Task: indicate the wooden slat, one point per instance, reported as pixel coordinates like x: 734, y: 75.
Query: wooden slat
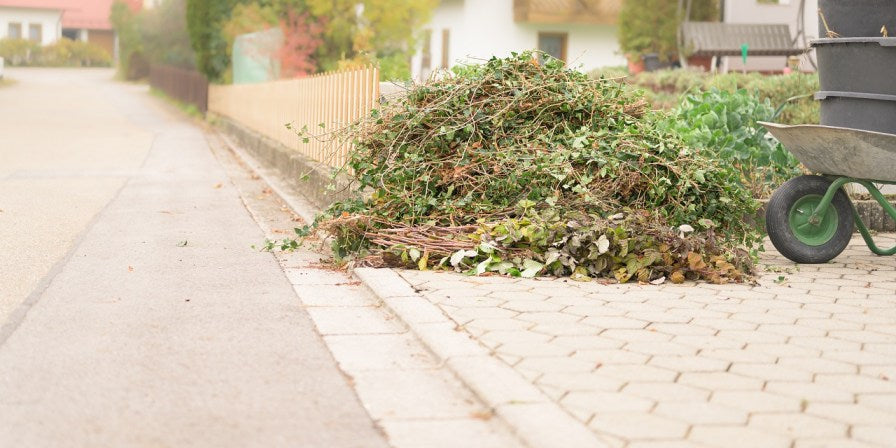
x: 335, y: 99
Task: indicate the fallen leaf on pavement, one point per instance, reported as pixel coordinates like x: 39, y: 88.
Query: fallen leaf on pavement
x: 482, y: 415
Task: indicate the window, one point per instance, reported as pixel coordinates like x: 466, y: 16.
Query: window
x: 14, y: 31
x: 553, y: 44
x: 35, y: 32
x: 446, y: 45
x: 426, y: 53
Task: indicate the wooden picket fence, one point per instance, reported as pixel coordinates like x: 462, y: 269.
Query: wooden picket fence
x: 187, y: 86
x: 332, y: 99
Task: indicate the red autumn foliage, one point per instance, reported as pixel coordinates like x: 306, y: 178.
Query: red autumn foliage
x: 301, y: 38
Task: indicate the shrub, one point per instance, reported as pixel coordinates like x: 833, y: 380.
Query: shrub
x: 69, y: 53
x: 778, y: 89
x: 665, y: 89
x: 726, y: 125
x: 62, y: 53
x: 19, y: 51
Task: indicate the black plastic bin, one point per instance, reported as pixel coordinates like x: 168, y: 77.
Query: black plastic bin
x: 857, y: 18
x: 857, y: 64
x: 866, y: 111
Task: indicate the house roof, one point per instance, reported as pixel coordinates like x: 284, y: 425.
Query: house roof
x: 89, y: 14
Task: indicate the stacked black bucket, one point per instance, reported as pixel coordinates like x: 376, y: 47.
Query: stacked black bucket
x: 857, y: 64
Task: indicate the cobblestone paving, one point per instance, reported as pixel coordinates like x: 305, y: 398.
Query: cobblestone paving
x: 805, y: 359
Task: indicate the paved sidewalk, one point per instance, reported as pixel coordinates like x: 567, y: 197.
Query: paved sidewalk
x: 164, y: 328
x: 408, y: 392
x: 805, y: 359
x: 57, y: 171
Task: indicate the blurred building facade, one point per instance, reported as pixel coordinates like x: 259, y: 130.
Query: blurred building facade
x: 45, y: 21
x: 580, y: 32
x: 772, y: 12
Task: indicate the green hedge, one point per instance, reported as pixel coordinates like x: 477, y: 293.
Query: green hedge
x: 62, y: 53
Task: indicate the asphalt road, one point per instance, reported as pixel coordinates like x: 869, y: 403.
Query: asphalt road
x: 134, y: 311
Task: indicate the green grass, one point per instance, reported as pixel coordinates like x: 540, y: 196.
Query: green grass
x: 188, y: 109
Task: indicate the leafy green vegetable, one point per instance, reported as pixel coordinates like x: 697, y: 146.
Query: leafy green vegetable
x: 726, y: 124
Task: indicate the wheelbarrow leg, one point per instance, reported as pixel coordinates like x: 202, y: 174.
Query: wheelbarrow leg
x: 822, y: 208
x: 888, y: 208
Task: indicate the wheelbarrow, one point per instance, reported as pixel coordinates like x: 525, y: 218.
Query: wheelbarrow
x: 810, y: 219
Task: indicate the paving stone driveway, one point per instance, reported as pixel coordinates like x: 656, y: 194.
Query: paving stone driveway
x: 805, y: 359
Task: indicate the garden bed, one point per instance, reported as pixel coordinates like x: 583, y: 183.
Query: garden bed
x: 665, y: 89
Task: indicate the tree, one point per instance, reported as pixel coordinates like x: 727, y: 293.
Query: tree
x: 366, y: 31
x: 340, y: 20
x: 324, y: 34
x: 124, y: 20
x: 301, y: 33
x: 300, y: 43
x: 204, y: 22
x: 651, y: 26
x: 163, y: 30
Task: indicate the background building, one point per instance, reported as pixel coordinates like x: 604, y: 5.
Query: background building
x: 36, y: 21
x: 581, y: 32
x: 48, y: 20
x: 771, y: 12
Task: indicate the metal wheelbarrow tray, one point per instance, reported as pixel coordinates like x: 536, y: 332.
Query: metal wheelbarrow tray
x: 810, y: 219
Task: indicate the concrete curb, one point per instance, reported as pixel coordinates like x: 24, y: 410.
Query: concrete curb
x: 534, y: 418
x: 307, y: 176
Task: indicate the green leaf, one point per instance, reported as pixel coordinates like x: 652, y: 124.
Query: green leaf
x: 531, y: 268
x: 603, y: 244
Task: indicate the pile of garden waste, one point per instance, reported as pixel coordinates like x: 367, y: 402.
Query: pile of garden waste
x: 522, y: 167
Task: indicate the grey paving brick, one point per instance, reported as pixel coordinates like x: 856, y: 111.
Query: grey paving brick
x: 706, y: 365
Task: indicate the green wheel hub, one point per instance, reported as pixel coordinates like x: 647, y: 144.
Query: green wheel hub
x: 807, y: 232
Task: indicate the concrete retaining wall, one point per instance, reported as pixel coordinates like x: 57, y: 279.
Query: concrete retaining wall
x: 307, y: 177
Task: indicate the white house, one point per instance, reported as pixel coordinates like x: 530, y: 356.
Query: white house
x: 48, y: 20
x: 581, y: 32
x: 40, y: 24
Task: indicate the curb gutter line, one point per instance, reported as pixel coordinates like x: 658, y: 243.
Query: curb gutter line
x: 533, y: 417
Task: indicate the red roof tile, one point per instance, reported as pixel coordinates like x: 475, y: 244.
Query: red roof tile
x: 90, y: 14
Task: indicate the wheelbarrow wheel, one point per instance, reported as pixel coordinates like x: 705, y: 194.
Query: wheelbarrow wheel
x: 789, y: 227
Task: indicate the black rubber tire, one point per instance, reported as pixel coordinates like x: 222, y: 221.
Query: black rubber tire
x: 777, y: 221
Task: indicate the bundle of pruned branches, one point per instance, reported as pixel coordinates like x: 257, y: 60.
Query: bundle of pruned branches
x: 524, y: 137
